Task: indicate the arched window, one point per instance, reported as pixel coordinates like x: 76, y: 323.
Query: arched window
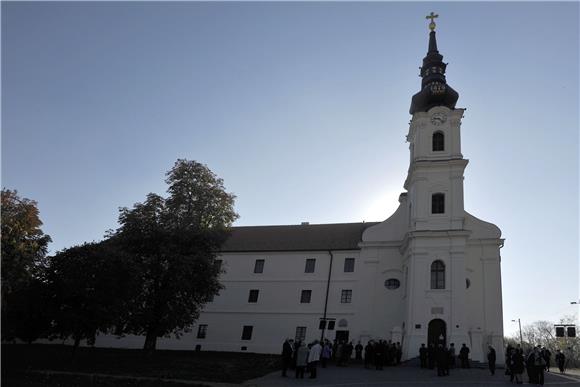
x: 438, y: 203
x: 437, y: 275
x: 438, y: 141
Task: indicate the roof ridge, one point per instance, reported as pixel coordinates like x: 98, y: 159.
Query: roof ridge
x: 309, y: 224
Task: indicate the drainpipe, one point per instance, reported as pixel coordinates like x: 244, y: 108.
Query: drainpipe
x: 326, y: 298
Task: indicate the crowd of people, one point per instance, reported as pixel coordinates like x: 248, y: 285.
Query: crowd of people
x: 444, y: 357
x: 535, y: 362
x: 303, y: 358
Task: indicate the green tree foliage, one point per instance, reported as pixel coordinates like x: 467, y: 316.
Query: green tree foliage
x: 172, y: 244
x: 24, y: 248
x: 89, y: 285
x: 24, y: 245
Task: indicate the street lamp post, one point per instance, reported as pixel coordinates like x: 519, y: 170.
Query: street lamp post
x: 521, y: 338
x: 576, y: 303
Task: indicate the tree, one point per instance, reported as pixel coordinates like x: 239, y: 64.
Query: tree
x: 172, y: 244
x: 89, y: 285
x: 24, y: 247
x: 543, y: 333
x: 31, y: 312
x: 540, y: 333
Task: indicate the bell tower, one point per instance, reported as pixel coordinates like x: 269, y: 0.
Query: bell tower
x: 434, y: 250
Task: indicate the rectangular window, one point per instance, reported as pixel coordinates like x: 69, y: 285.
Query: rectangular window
x: 310, y: 265
x: 346, y: 296
x: 253, y: 297
x: 349, y: 265
x: 202, y: 331
x: 259, y: 266
x: 300, y: 334
x: 218, y: 265
x: 305, y: 296
x: 438, y: 203
x: 247, y: 332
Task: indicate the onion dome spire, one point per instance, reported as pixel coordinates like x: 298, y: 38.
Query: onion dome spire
x: 434, y: 88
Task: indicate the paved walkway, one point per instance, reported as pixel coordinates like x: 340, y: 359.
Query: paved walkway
x: 356, y: 376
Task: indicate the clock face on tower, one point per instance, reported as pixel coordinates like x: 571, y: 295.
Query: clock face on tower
x: 438, y: 119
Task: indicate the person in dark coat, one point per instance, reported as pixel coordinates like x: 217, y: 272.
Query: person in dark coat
x: 450, y: 358
x: 347, y: 352
x: 547, y: 357
x: 517, y: 365
x: 431, y: 356
x: 560, y: 360
x: 398, y: 352
x: 379, y: 355
x: 509, y: 361
x: 452, y: 354
x: 369, y: 354
x: 491, y: 357
x: 441, y: 357
x: 340, y: 348
x: 358, y: 349
x: 423, y: 356
x: 531, y: 369
x: 464, y: 356
x: 286, y: 356
x: 539, y: 365
x: 388, y: 353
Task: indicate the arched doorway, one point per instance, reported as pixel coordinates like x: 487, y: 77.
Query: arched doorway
x: 437, y: 332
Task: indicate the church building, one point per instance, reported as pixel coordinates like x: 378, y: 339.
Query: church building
x: 430, y: 273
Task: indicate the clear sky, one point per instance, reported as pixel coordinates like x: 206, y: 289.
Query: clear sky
x: 302, y: 109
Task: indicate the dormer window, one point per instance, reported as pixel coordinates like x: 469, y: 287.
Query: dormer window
x: 438, y: 142
x: 438, y: 203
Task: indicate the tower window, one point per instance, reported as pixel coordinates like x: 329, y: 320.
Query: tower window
x: 438, y: 141
x: 438, y: 203
x: 437, y: 275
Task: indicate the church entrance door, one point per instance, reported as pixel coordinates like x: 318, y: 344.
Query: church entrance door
x: 437, y: 333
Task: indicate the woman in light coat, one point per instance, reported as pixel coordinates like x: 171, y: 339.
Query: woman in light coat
x: 301, y: 360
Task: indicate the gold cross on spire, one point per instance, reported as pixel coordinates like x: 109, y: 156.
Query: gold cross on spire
x: 432, y: 16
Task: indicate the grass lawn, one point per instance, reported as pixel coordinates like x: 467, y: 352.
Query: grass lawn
x: 228, y: 367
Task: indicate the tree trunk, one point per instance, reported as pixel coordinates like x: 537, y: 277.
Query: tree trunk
x: 150, y: 341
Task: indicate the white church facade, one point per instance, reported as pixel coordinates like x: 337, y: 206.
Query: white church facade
x: 429, y: 273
